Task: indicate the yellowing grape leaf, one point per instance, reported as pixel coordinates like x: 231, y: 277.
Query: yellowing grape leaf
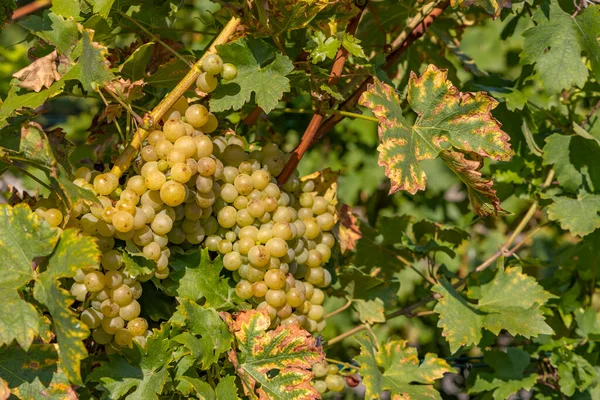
x: 447, y: 119
x: 348, y: 231
x: 64, y: 263
x: 273, y: 364
x: 395, y: 367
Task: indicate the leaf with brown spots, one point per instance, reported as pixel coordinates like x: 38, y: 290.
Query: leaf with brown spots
x: 128, y: 91
x: 348, y: 232
x: 41, y: 73
x: 510, y: 301
x: 273, y: 364
x: 446, y: 119
x: 484, y: 201
x: 395, y: 367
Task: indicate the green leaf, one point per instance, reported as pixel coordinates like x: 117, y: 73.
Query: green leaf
x: 23, y: 237
x: 145, y: 370
x: 66, y: 8
x: 508, y: 377
x: 352, y: 45
x: 484, y: 201
x: 574, y: 159
x: 493, y: 7
x: 20, y: 320
x: 168, y: 75
x: 510, y: 301
x: 34, y: 374
x: 555, y: 45
x: 214, y: 338
x: 226, y: 389
x: 574, y: 371
x: 446, y: 119
x: 54, y: 29
x: 92, y: 68
x: 395, y: 367
x: 135, y: 265
x: 103, y: 7
x: 261, y: 70
x: 579, y: 216
x: 134, y: 67
x: 288, y: 352
x: 195, y: 277
x: 64, y: 263
x: 321, y: 48
x: 19, y: 98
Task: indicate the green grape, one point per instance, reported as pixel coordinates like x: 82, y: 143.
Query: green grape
x: 173, y: 193
x: 206, y: 82
x: 259, y: 256
x: 256, y: 208
x: 227, y: 217
x: 206, y: 166
x: 173, y: 130
x: 83, y: 173
x: 204, y: 146
x: 320, y: 205
x: 244, y: 289
x: 112, y: 325
x: 233, y: 155
x: 275, y: 279
x: 162, y: 148
x: 130, y: 311
x: 79, y: 276
x: 211, y: 125
x: 282, y: 230
x: 264, y: 234
x: 228, y: 193
x: 104, y: 185
x: 122, y: 221
x: 92, y: 318
x: 284, y: 312
x: 152, y: 251
x: 315, y: 276
x: 335, y: 383
x: 79, y: 291
x: 316, y: 312
x: 122, y: 295
x: 244, y: 218
x: 326, y: 221
x: 101, y: 337
x: 127, y: 206
x: 260, y: 179
x: 259, y: 289
x: 196, y: 115
x: 155, y: 136
x: 212, y: 64
x: 232, y: 261
x: 54, y: 217
x: 94, y: 281
x: 155, y: 180
x: 187, y: 145
x: 316, y: 297
x: 109, y: 308
x: 333, y: 369
x: 294, y: 297
x: 113, y: 279
x: 175, y: 156
x: 123, y: 337
x: 270, y: 203
x: 320, y: 369
x: 224, y: 246
x: 231, y: 236
x: 229, y: 72
x: 244, y: 184
x: 244, y: 245
x: 148, y: 153
x: 162, y: 223
x: 137, y: 326
x: 112, y: 260
x: 275, y: 298
x: 315, y: 259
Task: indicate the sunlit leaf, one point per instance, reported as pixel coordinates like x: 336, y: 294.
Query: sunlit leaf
x: 273, y: 364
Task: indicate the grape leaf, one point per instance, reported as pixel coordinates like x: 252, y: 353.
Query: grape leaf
x: 134, y: 67
x: 17, y: 100
x: 52, y: 28
x: 395, y: 367
x: 510, y: 301
x: 261, y: 70
x: 20, y: 320
x: 446, y: 119
x: 214, y: 339
x: 195, y: 276
x: 92, y: 68
x: 579, y: 216
x: 574, y: 371
x: 484, y: 201
x: 347, y: 232
x: 352, y: 45
x: 136, y: 265
x: 168, y: 75
x: 555, y: 45
x: 493, y: 7
x: 275, y: 363
x: 40, y: 73
x: 508, y: 377
x: 64, y: 263
x: 321, y: 48
x: 66, y: 8
x: 35, y: 374
x: 146, y: 370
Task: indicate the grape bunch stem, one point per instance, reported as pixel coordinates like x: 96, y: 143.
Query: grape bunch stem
x: 150, y: 120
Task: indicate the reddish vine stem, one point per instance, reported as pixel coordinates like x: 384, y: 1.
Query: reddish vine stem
x: 30, y: 8
x: 315, y: 122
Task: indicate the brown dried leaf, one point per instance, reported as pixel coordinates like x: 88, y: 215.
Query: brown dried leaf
x: 111, y: 112
x: 483, y: 198
x: 128, y: 91
x: 348, y: 230
x: 41, y: 73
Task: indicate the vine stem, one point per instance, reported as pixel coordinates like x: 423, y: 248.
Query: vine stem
x: 345, y: 364
x: 344, y: 113
x: 151, y: 120
x: 339, y: 310
x: 502, y: 251
x: 315, y: 122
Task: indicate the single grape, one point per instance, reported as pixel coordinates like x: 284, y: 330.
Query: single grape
x: 229, y: 71
x: 123, y: 337
x: 211, y: 125
x: 173, y: 130
x: 112, y: 325
x: 173, y: 193
x: 335, y: 383
x: 206, y: 82
x: 130, y: 311
x: 79, y: 290
x: 244, y: 290
x: 196, y: 115
x: 275, y: 279
x: 212, y: 64
x: 275, y: 298
x: 92, y: 318
x: 137, y: 326
x: 101, y: 337
x: 94, y: 281
x: 53, y: 216
x: 122, y: 295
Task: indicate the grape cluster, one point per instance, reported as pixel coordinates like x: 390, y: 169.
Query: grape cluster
x: 189, y: 188
x: 327, y: 378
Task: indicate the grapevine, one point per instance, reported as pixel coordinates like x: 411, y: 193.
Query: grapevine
x: 299, y: 200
